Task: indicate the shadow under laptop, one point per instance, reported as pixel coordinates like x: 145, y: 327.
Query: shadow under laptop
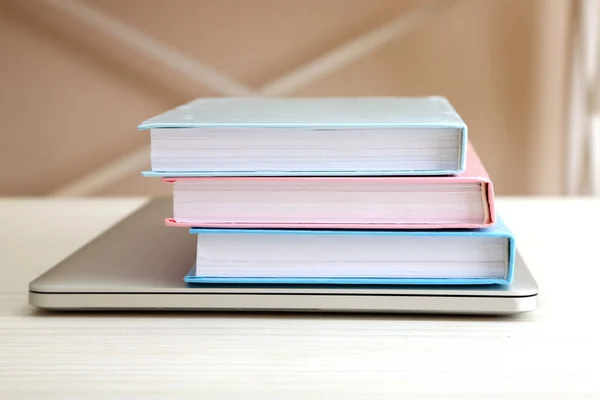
x: 304, y: 315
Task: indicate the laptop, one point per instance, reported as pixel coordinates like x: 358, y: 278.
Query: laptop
x: 139, y: 264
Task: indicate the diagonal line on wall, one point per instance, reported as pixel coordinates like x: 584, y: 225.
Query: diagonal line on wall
x: 151, y: 48
x: 354, y: 50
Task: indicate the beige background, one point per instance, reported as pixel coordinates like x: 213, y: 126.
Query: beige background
x: 72, y: 96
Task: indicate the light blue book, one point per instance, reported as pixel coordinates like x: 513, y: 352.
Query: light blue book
x: 308, y: 137
x: 419, y: 257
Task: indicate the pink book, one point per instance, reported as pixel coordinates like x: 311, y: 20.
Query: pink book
x: 430, y: 202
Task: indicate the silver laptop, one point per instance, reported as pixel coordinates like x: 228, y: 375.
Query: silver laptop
x: 139, y: 264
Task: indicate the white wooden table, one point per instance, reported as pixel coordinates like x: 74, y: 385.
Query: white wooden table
x: 552, y: 352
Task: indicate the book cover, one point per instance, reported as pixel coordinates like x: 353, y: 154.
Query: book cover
x: 499, y: 230
x: 474, y: 173
x: 256, y: 115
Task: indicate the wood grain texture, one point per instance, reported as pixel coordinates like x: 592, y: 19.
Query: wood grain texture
x: 549, y: 353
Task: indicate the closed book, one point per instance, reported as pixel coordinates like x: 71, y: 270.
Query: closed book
x: 462, y: 201
x: 445, y: 257
x: 308, y: 137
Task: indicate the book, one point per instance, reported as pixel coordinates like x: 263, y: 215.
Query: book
x: 308, y: 136
x: 465, y: 200
x: 274, y: 256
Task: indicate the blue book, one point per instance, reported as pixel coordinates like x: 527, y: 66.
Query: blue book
x: 308, y: 137
x: 422, y: 257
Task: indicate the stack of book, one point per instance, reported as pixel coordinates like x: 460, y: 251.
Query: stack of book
x: 378, y: 190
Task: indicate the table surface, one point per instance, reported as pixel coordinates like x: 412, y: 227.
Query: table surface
x: 553, y: 350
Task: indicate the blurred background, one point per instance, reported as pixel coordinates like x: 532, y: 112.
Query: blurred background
x: 77, y: 76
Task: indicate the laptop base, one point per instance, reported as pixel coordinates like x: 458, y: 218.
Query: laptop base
x: 139, y: 264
